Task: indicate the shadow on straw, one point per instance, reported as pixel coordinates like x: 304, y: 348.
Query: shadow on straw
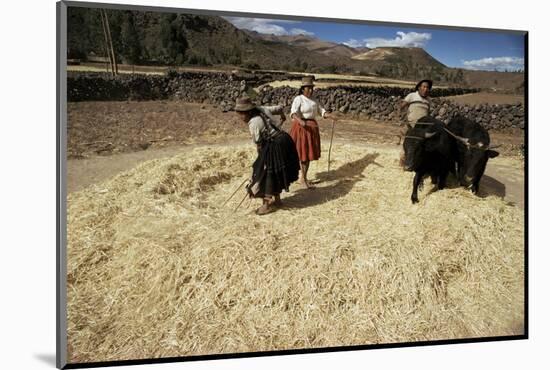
x: 490, y: 186
x: 349, y: 174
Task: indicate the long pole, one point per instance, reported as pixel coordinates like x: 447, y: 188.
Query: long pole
x: 107, y: 52
x: 111, y: 42
x: 330, y: 146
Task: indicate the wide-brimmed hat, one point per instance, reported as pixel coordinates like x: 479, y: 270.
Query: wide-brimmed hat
x: 429, y: 82
x: 244, y: 104
x: 307, y: 81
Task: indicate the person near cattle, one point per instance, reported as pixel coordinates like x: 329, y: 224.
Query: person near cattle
x: 277, y: 165
x: 418, y: 102
x: 305, y: 130
x: 418, y: 105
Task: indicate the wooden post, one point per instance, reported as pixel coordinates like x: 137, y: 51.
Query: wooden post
x: 110, y: 42
x: 107, y: 52
x: 330, y: 146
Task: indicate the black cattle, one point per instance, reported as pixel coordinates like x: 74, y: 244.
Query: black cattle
x: 429, y: 150
x: 473, y: 150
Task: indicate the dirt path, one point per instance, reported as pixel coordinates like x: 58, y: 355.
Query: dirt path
x: 82, y: 173
x: 504, y: 181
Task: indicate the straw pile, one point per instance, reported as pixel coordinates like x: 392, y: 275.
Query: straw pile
x: 157, y: 268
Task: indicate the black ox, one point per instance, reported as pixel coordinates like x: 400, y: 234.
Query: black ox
x: 429, y: 150
x: 472, y: 151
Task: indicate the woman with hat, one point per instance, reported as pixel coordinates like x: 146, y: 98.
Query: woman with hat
x: 276, y: 166
x: 305, y: 130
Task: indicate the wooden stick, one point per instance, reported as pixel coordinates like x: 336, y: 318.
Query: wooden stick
x: 115, y: 65
x: 104, y: 26
x: 330, y: 146
x: 241, y: 202
x: 167, y: 138
x: 98, y: 142
x: 235, y: 192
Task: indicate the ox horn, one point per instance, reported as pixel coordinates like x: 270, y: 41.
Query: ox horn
x: 428, y: 135
x: 460, y: 138
x: 464, y: 140
x: 492, y: 146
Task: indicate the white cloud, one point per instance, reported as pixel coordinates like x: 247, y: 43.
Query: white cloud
x: 299, y: 31
x: 498, y: 63
x: 266, y: 26
x: 353, y: 43
x: 409, y: 39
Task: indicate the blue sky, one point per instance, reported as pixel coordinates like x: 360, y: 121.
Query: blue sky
x: 461, y: 49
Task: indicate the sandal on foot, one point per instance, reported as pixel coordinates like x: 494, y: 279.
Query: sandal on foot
x: 265, y: 209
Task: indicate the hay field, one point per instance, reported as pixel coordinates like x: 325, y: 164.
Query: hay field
x: 487, y: 98
x: 346, y: 80
x: 157, y: 268
x: 373, y: 79
x: 325, y: 84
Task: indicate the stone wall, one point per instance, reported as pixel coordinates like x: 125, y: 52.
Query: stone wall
x: 221, y: 89
x: 382, y: 104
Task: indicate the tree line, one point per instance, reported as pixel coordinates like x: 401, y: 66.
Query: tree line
x: 138, y: 37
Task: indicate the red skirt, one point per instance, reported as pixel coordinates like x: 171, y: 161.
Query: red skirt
x: 307, y: 140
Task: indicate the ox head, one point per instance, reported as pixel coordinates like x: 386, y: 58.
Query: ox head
x: 414, y: 146
x: 476, y: 157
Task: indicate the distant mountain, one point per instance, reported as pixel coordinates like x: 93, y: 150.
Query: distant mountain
x: 404, y: 63
x: 312, y: 44
x: 397, y: 55
x: 219, y: 42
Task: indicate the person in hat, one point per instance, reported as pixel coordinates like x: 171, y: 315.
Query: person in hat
x: 277, y: 165
x: 418, y: 102
x: 305, y: 130
x: 418, y: 106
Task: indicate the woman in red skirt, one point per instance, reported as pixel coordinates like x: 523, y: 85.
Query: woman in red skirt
x: 304, y: 130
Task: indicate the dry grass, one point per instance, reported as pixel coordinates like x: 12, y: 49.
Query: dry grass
x: 374, y: 79
x: 486, y: 98
x: 347, y: 80
x: 103, y: 68
x: 136, y: 69
x: 157, y: 268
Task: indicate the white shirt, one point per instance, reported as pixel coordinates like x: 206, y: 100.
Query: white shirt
x: 306, y: 108
x: 256, y: 124
x: 418, y: 107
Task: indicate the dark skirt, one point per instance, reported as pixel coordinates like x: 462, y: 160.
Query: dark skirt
x: 307, y: 139
x: 275, y: 168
